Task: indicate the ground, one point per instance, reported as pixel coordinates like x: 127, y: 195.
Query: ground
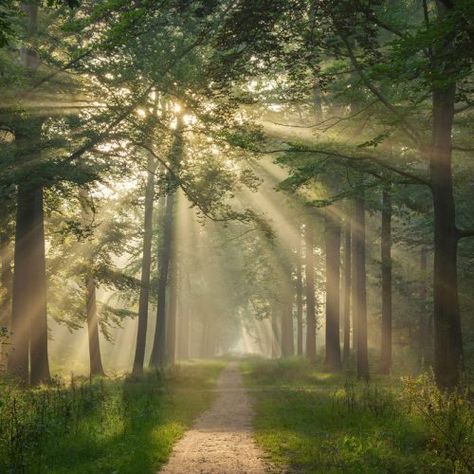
x: 221, y: 440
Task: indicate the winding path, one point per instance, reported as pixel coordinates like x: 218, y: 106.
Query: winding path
x: 221, y: 441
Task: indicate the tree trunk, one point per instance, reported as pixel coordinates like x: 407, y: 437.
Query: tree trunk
x: 333, y: 257
x: 172, y: 312
x: 347, y: 290
x: 386, y: 249
x: 359, y: 286
x: 39, y: 365
x: 146, y: 266
x: 426, y: 319
x: 158, y: 354
x: 29, y: 320
x: 317, y: 102
x: 310, y: 293
x: 6, y: 288
x: 448, y: 363
x: 299, y: 303
x: 95, y: 359
x: 448, y: 351
x: 184, y: 320
x: 287, y: 330
x: 276, y: 331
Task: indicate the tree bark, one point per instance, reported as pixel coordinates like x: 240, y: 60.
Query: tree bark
x: 448, y: 350
x: 333, y: 257
x: 448, y: 363
x: 95, y: 359
x: 299, y: 302
x: 347, y: 290
x: 29, y: 341
x: 39, y: 365
x: 184, y: 322
x: 310, y: 293
x: 276, y: 330
x: 143, y: 302
x: 5, y: 305
x: 159, y: 351
x: 386, y: 254
x: 426, y: 318
x: 172, y: 313
x: 353, y: 288
x: 359, y: 286
x: 287, y: 330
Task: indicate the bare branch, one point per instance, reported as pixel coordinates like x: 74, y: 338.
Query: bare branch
x: 337, y: 118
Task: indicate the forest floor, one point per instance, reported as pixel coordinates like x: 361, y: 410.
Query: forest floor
x: 123, y: 425
x: 317, y: 422
x: 221, y: 440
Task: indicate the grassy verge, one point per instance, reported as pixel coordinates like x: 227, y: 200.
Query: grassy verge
x: 318, y: 422
x: 126, y: 425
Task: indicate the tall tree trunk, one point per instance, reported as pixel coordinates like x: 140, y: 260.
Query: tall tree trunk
x: 172, y: 313
x: 448, y: 362
x: 354, y: 295
x: 92, y: 320
x: 6, y: 296
x: 317, y: 102
x: 386, y: 254
x: 276, y: 331
x: 310, y: 293
x: 287, y: 330
x: 160, y: 346
x: 333, y: 258
x: 426, y: 318
x: 158, y: 354
x: 359, y: 286
x: 448, y: 351
x: 143, y: 302
x: 95, y: 359
x: 184, y: 320
x: 18, y: 359
x: 29, y: 320
x: 347, y: 290
x: 39, y: 365
x: 299, y: 302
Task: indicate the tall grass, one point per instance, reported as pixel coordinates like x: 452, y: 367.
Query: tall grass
x: 101, y: 425
x: 314, y: 421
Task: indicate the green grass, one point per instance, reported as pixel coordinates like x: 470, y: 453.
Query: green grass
x: 126, y: 425
x: 317, y: 422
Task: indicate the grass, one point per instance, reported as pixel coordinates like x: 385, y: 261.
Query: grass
x: 318, y: 422
x: 123, y: 425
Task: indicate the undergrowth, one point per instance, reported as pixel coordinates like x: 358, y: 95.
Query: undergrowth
x: 314, y: 421
x: 125, y: 425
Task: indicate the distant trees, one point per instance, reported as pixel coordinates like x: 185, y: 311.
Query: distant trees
x: 356, y: 101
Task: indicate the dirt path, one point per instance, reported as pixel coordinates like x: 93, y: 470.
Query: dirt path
x: 220, y: 441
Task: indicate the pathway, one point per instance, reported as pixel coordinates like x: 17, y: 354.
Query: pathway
x: 221, y: 440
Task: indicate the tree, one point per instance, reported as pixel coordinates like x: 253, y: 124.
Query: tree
x: 347, y: 289
x: 333, y: 244
x: 359, y: 295
x: 310, y: 291
x: 386, y: 244
x: 146, y: 267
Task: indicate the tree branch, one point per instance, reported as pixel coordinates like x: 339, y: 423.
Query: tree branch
x: 463, y: 233
x: 334, y: 117
x: 407, y: 128
x: 373, y: 159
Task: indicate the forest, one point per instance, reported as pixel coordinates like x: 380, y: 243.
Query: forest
x: 236, y: 236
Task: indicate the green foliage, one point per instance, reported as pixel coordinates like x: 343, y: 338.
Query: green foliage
x: 318, y: 422
x: 127, y: 424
